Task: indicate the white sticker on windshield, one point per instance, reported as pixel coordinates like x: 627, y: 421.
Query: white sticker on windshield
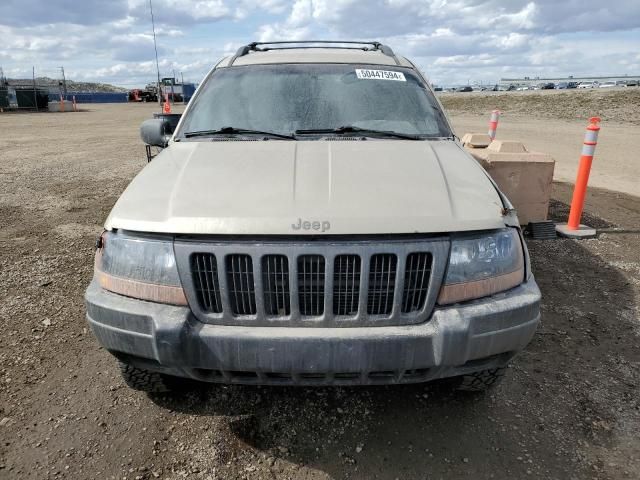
x: 379, y: 75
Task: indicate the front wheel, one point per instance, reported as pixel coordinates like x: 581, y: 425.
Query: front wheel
x: 480, y: 381
x: 151, y: 382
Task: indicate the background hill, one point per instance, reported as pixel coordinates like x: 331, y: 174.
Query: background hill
x: 72, y: 86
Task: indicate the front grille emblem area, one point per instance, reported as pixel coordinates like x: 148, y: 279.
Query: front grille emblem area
x: 320, y: 226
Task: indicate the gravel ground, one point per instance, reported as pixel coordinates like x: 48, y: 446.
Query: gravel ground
x: 568, y: 409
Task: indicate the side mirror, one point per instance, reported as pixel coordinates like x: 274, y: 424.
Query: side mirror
x: 153, y: 132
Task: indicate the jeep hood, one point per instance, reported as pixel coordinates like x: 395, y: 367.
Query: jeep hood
x: 339, y: 186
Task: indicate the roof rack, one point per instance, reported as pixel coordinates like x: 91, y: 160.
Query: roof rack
x: 260, y: 47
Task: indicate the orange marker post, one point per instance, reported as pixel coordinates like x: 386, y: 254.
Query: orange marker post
x: 580, y: 189
x: 167, y: 105
x: 493, y: 124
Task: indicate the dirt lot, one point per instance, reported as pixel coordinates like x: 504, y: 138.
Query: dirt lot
x: 569, y: 408
x: 618, y: 105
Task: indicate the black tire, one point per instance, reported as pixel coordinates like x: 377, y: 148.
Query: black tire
x: 147, y: 381
x: 480, y: 381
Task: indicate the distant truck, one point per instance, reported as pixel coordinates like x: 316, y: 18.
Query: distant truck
x: 169, y: 88
x: 149, y: 94
x: 176, y: 92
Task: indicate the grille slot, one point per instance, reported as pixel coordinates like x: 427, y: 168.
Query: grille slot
x: 416, y: 281
x: 275, y: 282
x: 382, y: 281
x: 346, y: 284
x: 242, y: 295
x: 311, y: 285
x: 204, y: 270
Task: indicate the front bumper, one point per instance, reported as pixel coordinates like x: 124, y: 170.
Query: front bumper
x: 458, y: 339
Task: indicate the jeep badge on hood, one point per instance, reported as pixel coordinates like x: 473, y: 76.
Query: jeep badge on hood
x: 315, y: 225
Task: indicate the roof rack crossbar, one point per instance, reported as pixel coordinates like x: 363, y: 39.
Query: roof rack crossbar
x: 366, y: 49
x: 253, y: 46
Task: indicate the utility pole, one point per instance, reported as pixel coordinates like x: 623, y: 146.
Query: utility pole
x: 64, y: 82
x: 35, y: 92
x: 155, y: 46
x: 183, y: 94
x: 173, y: 82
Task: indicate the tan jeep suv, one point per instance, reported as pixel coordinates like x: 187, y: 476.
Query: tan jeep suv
x: 312, y: 220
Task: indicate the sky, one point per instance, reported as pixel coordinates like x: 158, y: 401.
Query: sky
x: 454, y: 42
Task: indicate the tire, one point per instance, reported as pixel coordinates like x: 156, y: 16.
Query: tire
x: 147, y: 381
x: 480, y: 381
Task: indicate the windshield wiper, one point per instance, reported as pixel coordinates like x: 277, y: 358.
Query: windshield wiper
x: 236, y: 131
x: 354, y: 129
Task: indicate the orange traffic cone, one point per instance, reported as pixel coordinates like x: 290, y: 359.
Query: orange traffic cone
x: 167, y: 106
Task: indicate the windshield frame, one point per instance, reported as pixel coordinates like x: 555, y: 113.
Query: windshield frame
x: 179, y: 134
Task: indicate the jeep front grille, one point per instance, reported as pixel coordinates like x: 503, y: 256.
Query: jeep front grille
x: 326, y: 284
x: 382, y: 282
x: 275, y: 281
x: 311, y: 285
x: 416, y: 281
x: 242, y: 295
x: 204, y: 269
x: 346, y: 285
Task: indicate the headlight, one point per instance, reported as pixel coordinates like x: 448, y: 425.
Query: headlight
x: 142, y: 267
x: 483, y: 265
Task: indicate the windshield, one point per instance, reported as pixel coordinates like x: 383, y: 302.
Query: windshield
x: 287, y: 98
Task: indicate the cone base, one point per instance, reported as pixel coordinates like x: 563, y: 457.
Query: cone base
x: 583, y: 231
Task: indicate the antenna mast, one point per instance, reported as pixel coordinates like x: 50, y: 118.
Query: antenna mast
x: 155, y: 46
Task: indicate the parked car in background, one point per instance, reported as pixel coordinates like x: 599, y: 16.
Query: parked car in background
x: 632, y: 83
x: 621, y: 83
x: 586, y: 85
x: 465, y: 89
x: 572, y: 85
x: 548, y: 86
x: 562, y: 85
x: 607, y: 85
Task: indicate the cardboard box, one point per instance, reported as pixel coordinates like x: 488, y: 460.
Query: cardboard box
x: 524, y: 177
x: 476, y: 140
